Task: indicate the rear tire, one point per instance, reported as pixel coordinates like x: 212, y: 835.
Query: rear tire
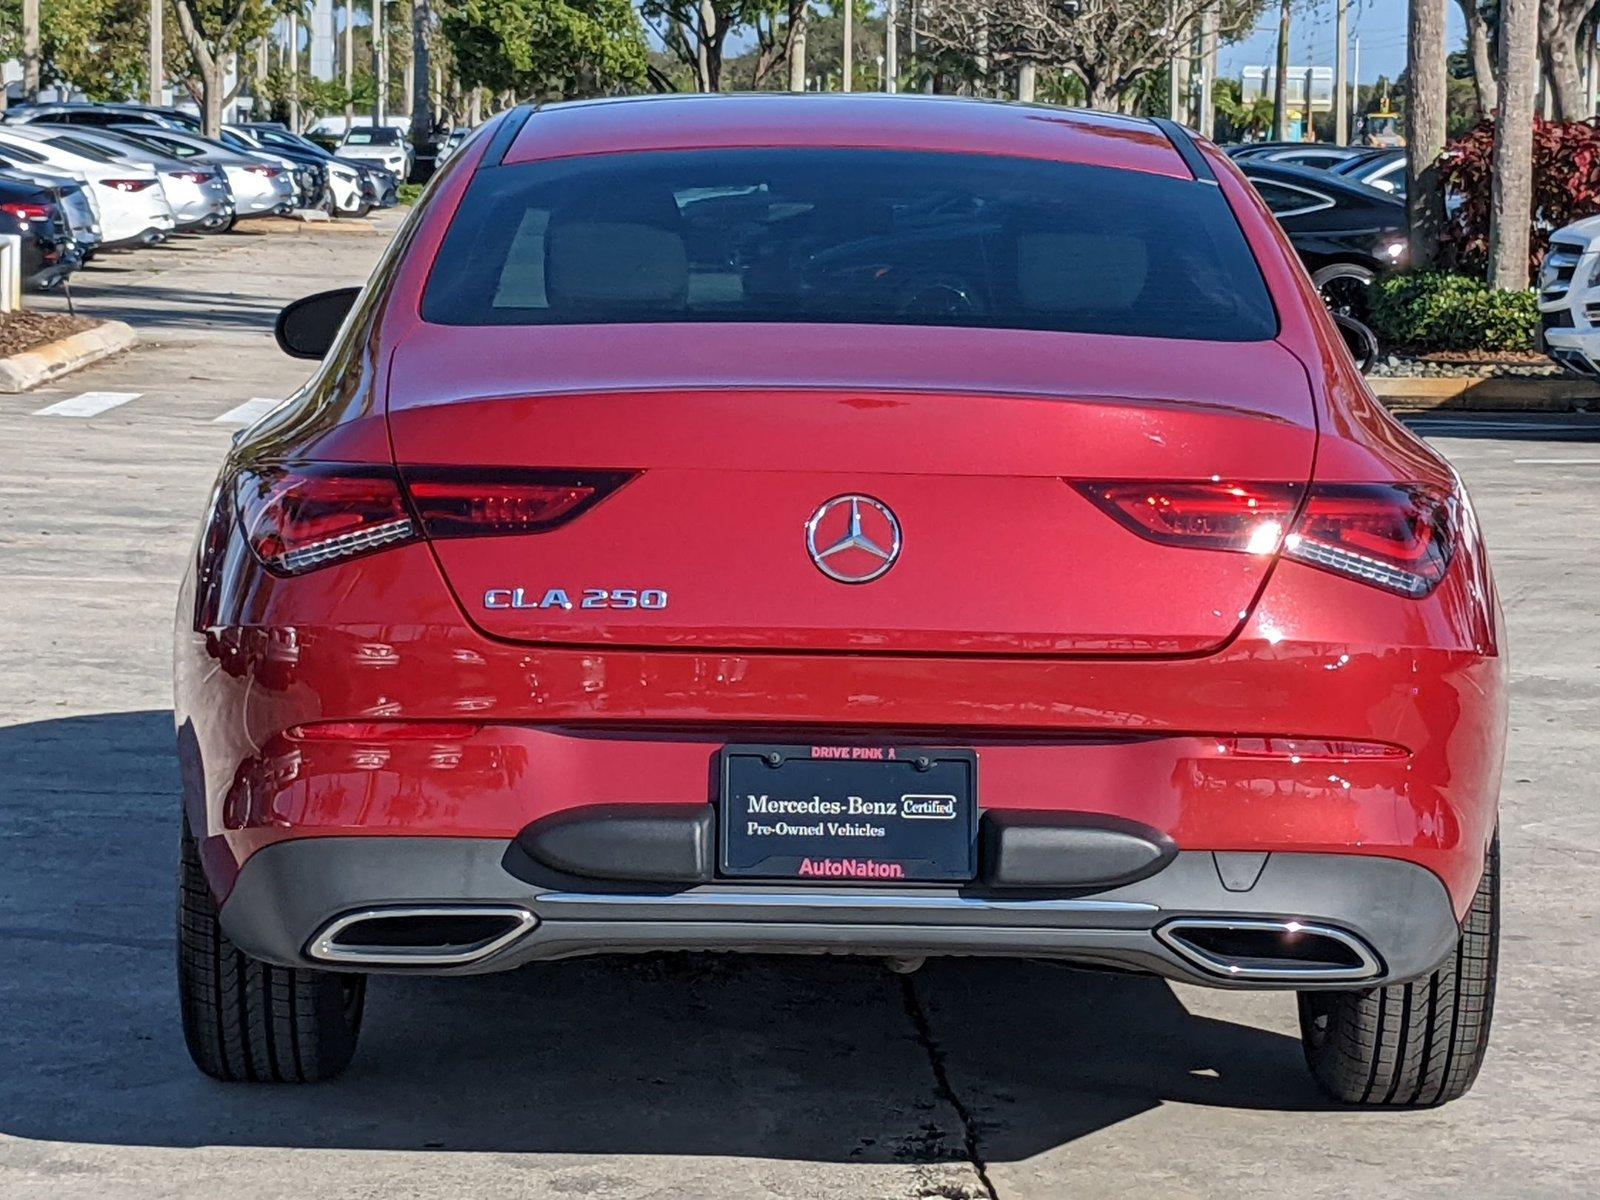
x: 1417, y: 1044
x: 249, y: 1020
x: 1346, y: 289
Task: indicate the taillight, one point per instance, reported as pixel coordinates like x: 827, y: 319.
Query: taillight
x: 26, y: 212
x: 1399, y: 537
x: 130, y: 185
x: 1248, y: 517
x: 1308, y: 749
x: 190, y: 176
x: 1394, y: 536
x: 302, y: 516
x: 268, y: 172
x: 486, y: 501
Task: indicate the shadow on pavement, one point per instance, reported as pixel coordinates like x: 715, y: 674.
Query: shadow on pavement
x: 813, y: 1059
x: 1506, y: 427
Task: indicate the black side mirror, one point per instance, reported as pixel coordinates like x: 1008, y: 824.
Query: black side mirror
x: 1363, y: 343
x: 306, y: 328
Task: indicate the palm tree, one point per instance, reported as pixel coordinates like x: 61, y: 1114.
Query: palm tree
x: 1511, y: 210
x: 1425, y: 126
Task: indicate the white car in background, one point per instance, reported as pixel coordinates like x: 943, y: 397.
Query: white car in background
x: 198, y: 193
x: 259, y: 188
x: 1569, y: 298
x: 381, y: 144
x: 133, y: 206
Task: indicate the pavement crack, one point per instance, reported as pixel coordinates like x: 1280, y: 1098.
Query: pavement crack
x: 918, y: 1016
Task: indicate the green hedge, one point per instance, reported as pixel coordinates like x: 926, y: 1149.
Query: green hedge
x: 1433, y: 310
x: 408, y: 193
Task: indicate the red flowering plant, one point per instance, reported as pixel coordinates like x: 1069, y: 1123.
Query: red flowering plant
x: 1566, y: 188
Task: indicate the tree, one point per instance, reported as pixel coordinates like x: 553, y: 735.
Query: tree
x: 1478, y: 52
x: 1559, y: 22
x: 1280, y: 78
x: 211, y: 32
x: 697, y: 31
x: 1511, y: 205
x: 78, y: 48
x: 1425, y: 126
x: 1110, y: 45
x: 421, y: 93
x: 536, y: 48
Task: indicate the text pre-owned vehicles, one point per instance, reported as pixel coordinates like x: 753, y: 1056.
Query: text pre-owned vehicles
x: 1346, y: 233
x: 259, y: 188
x: 378, y: 144
x: 34, y: 213
x: 881, y: 525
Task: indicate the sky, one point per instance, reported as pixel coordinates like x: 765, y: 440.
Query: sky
x: 1381, y: 25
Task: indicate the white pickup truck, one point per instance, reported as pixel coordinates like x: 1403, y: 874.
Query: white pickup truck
x: 1569, y: 297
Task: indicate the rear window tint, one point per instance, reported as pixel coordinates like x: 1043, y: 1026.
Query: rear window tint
x: 848, y: 237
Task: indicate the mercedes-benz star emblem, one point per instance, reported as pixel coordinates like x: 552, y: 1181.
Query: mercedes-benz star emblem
x: 853, y: 539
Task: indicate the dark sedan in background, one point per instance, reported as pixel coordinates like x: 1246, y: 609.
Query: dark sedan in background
x: 35, y: 214
x: 1345, y: 232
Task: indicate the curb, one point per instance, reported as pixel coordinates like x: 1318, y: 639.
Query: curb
x: 1502, y: 394
x: 292, y: 224
x: 54, y: 359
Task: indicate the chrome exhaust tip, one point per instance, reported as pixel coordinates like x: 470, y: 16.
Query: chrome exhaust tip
x: 419, y: 935
x: 1270, y: 949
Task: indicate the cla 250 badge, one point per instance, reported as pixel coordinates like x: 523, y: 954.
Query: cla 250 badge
x: 650, y: 598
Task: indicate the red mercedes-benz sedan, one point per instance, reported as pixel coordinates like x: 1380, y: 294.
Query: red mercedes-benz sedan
x: 891, y: 526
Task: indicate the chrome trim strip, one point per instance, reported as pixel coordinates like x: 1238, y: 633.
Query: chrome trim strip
x: 1367, y: 968
x: 323, y: 948
x: 834, y: 900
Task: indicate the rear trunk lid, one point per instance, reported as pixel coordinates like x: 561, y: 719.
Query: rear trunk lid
x: 739, y: 435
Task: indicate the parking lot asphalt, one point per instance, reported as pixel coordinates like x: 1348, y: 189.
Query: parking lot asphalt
x: 679, y: 1077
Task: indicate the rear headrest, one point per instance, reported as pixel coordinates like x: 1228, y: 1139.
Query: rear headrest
x: 1060, y: 272
x: 615, y: 264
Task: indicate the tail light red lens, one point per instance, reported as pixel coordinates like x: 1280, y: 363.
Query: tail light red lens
x: 130, y: 185
x: 191, y: 176
x: 1394, y: 536
x: 303, y: 516
x: 26, y: 212
x: 1399, y: 537
x: 1308, y: 749
x: 299, y: 518
x: 268, y: 172
x: 1248, y: 517
x: 468, y: 502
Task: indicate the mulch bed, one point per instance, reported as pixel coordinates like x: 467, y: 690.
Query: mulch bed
x: 1401, y: 362
x: 21, y: 331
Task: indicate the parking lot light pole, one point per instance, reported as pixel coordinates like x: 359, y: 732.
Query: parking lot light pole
x: 891, y: 34
x: 157, y: 67
x: 378, y: 81
x: 1341, y: 94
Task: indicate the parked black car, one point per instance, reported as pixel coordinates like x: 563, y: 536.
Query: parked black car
x: 1347, y: 233
x: 49, y: 253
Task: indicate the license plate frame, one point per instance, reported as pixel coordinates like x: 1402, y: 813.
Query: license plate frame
x: 930, y: 837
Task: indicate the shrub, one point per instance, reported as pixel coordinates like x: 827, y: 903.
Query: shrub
x: 1435, y: 310
x: 1566, y: 188
x: 409, y: 193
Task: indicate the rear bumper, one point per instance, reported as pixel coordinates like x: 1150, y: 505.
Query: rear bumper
x: 289, y: 895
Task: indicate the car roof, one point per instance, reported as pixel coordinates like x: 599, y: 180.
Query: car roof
x: 1319, y: 180
x: 838, y: 120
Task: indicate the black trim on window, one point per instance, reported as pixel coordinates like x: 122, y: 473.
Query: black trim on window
x: 1187, y: 150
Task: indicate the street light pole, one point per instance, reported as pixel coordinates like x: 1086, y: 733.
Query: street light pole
x: 1341, y: 94
x: 157, y: 63
x: 891, y: 57
x: 849, y: 44
x: 377, y: 62
x: 30, y: 51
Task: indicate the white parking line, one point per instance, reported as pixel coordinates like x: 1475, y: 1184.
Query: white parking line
x: 1556, y: 462
x: 247, y: 412
x: 87, y: 404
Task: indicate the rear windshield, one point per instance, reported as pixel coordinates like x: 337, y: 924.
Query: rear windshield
x: 373, y: 137
x: 848, y: 237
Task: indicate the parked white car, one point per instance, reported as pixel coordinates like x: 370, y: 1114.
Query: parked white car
x: 1569, y: 298
x: 198, y: 193
x: 381, y: 144
x: 133, y: 205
